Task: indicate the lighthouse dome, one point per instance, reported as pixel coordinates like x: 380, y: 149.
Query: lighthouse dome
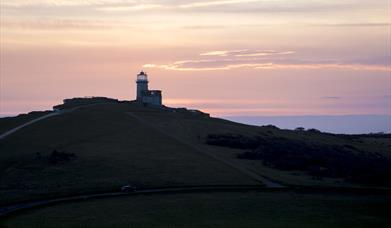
x: 142, y: 76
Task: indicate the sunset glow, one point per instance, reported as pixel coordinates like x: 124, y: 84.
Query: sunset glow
x: 226, y: 57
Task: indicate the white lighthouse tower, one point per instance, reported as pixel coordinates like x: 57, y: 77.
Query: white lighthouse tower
x: 144, y: 95
x: 142, y: 84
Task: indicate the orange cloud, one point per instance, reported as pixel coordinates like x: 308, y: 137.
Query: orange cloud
x: 246, y: 53
x: 132, y: 8
x: 215, y: 3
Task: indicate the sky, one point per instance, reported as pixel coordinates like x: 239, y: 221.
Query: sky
x: 225, y: 57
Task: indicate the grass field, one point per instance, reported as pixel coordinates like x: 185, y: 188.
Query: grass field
x: 196, y: 130
x: 218, y: 209
x: 113, y: 149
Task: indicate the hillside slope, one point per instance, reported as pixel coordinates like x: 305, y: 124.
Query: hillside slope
x: 101, y: 146
x: 298, y: 158
x: 110, y: 149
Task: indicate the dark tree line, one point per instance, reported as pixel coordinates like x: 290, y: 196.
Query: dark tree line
x: 318, y: 160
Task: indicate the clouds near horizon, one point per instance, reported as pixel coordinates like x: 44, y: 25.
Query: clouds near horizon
x: 266, y: 59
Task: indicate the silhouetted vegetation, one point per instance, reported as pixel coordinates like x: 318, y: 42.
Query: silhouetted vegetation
x: 57, y: 157
x: 80, y: 101
x: 313, y: 130
x: 233, y: 140
x: 318, y: 160
x: 271, y: 126
x: 370, y: 135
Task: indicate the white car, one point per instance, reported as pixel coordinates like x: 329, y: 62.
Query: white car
x: 128, y: 188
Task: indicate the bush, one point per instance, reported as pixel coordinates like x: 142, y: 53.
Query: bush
x: 271, y: 126
x: 60, y: 157
x: 313, y: 130
x: 233, y: 141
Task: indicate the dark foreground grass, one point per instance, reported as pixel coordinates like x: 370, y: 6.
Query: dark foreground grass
x: 229, y: 209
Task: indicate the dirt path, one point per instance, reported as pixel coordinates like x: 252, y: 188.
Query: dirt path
x: 9, y: 132
x: 267, y: 182
x: 55, y: 113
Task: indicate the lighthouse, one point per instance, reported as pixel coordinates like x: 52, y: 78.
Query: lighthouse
x: 142, y: 84
x: 144, y: 95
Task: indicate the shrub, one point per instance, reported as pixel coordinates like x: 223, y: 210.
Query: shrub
x: 233, y: 141
x: 313, y: 130
x: 60, y: 157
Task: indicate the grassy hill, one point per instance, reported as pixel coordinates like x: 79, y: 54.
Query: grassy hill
x: 102, y: 144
